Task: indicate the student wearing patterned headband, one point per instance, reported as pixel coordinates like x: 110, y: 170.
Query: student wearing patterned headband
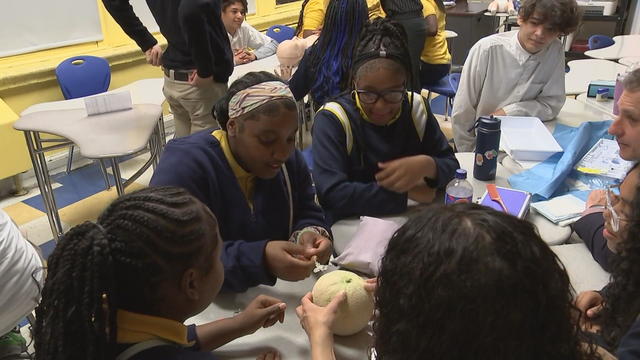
x: 378, y: 144
x: 256, y: 184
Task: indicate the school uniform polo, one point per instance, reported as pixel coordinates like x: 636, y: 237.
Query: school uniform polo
x: 176, y: 341
x: 248, y: 216
x: 345, y: 160
x: 435, y: 49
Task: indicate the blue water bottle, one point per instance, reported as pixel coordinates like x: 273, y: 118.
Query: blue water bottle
x: 487, y: 147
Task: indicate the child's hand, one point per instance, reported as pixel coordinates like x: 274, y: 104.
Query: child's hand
x: 262, y: 312
x: 590, y: 304
x: 289, y: 261
x: 317, y: 320
x: 596, y: 198
x: 371, y: 284
x: 401, y: 175
x: 269, y: 355
x: 317, y: 245
x: 422, y: 193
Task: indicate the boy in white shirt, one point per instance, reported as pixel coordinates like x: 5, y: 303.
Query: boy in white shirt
x: 247, y: 43
x: 517, y: 73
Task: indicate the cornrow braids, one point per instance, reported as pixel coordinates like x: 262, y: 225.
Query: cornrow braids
x: 140, y: 241
x: 382, y: 39
x: 301, y: 18
x: 332, y: 55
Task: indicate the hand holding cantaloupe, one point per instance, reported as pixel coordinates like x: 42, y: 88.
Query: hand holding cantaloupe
x: 355, y: 311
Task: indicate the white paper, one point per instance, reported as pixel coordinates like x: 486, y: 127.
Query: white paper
x: 108, y: 102
x: 561, y: 208
x: 604, y: 159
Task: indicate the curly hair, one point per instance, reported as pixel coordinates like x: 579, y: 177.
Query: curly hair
x: 622, y: 303
x: 221, y: 110
x: 561, y: 15
x: 466, y: 282
x: 140, y: 241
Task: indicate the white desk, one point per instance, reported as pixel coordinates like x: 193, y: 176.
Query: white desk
x: 584, y: 272
x: 288, y: 338
x: 623, y: 46
x: 603, y: 106
x: 631, y: 60
x: 581, y: 72
x: 268, y: 64
x: 104, y: 136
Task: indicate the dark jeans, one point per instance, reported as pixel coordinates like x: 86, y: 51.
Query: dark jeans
x: 430, y: 74
x: 416, y: 29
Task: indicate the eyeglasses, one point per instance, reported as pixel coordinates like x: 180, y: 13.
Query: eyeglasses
x: 390, y: 96
x: 613, y: 199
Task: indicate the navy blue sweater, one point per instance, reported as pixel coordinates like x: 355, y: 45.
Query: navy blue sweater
x: 589, y: 229
x: 197, y: 164
x: 346, y: 182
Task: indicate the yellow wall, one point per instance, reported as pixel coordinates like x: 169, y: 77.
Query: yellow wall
x: 29, y: 79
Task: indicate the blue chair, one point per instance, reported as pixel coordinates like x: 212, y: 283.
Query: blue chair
x: 281, y: 33
x: 600, y: 41
x: 81, y: 76
x: 447, y: 86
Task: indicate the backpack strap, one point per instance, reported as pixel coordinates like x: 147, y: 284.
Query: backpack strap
x: 135, y: 349
x: 337, y: 110
x: 418, y: 113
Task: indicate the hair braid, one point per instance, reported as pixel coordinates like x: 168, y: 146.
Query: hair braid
x: 140, y: 240
x: 332, y: 56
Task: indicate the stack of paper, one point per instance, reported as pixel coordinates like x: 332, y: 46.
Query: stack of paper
x: 604, y: 159
x: 562, y: 210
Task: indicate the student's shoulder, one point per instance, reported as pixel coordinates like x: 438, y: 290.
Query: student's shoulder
x: 199, y: 142
x: 339, y: 108
x: 495, y: 42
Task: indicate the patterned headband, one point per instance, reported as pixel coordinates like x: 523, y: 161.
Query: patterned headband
x: 254, y: 96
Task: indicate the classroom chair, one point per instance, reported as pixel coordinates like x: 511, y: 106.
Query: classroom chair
x: 447, y: 86
x: 599, y: 42
x: 80, y: 76
x: 281, y: 33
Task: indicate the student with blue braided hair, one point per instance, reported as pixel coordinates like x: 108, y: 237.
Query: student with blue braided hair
x: 379, y: 145
x: 323, y: 71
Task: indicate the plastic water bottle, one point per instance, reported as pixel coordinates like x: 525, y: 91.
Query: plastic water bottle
x: 459, y: 190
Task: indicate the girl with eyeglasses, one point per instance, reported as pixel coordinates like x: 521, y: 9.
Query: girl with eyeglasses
x: 603, y: 218
x: 378, y: 145
x: 613, y: 313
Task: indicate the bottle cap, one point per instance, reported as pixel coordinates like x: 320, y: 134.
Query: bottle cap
x: 487, y: 122
x: 461, y: 174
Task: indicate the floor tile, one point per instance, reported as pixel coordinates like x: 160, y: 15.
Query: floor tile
x: 22, y: 213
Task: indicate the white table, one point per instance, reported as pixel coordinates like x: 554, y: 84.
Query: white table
x: 623, y: 46
x: 104, y: 136
x: 288, y: 338
x: 603, y: 106
x: 581, y: 72
x: 631, y: 60
x: 268, y: 64
x: 584, y: 272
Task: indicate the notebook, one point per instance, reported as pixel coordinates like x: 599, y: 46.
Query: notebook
x: 516, y: 201
x: 560, y: 209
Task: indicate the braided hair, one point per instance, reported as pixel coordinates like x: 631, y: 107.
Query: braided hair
x: 330, y: 58
x: 301, y: 18
x: 221, y: 109
x: 382, y: 39
x: 140, y: 241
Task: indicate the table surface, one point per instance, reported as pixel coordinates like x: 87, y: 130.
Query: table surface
x: 145, y: 91
x: 623, y: 46
x: 603, y: 106
x: 268, y: 64
x: 107, y: 135
x: 631, y: 60
x: 581, y: 72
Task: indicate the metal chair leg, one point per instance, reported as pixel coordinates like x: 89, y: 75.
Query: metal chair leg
x: 105, y: 175
x: 70, y: 158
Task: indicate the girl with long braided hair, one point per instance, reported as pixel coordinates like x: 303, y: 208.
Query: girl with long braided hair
x: 123, y: 286
x: 323, y: 72
x: 378, y: 144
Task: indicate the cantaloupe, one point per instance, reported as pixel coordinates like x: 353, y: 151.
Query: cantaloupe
x: 355, y: 312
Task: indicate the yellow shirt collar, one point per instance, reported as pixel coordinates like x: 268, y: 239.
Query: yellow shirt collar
x: 134, y: 328
x: 245, y: 179
x: 364, y: 114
